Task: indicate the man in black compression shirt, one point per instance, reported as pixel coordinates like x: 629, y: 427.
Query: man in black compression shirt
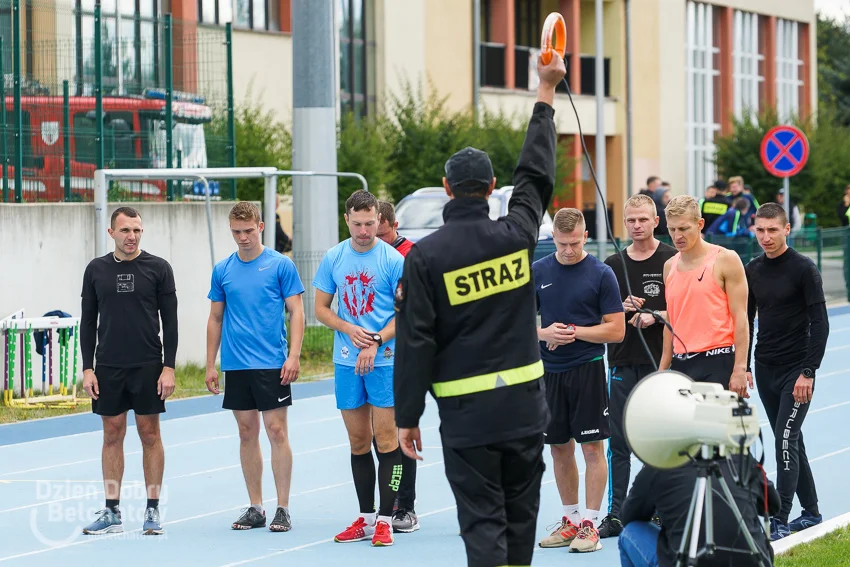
x: 786, y: 291
x: 130, y: 290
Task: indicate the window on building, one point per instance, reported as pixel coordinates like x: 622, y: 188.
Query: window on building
x: 527, y: 23
x: 702, y: 120
x: 248, y: 14
x: 357, y: 59
x: 747, y: 64
x: 788, y: 69
x: 129, y: 39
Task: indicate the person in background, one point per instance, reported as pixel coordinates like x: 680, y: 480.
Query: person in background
x: 713, y: 205
x: 282, y: 242
x: 738, y: 189
x: 734, y: 222
x: 796, y: 219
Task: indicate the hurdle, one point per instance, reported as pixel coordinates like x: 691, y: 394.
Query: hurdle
x: 59, y: 339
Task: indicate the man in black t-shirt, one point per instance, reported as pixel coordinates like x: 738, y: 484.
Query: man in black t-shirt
x: 786, y: 290
x: 628, y: 361
x: 129, y: 291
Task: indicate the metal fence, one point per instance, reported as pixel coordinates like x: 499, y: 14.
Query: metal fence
x: 157, y: 93
x: 829, y: 248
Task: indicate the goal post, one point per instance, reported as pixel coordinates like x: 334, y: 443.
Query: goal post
x: 102, y: 178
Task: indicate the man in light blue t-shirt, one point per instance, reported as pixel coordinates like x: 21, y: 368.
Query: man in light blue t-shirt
x: 248, y: 292
x: 363, y: 272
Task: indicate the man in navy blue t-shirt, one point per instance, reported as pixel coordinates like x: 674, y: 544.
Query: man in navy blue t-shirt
x: 248, y: 292
x: 580, y: 310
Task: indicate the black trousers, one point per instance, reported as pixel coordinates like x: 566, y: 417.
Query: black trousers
x: 621, y: 382
x: 497, y: 490
x: 793, y: 473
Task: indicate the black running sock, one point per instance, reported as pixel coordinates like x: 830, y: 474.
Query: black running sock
x: 389, y: 479
x: 112, y: 505
x: 153, y: 503
x: 363, y: 471
x: 813, y: 510
x: 407, y: 490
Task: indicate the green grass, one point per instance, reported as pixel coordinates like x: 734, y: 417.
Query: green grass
x: 831, y: 550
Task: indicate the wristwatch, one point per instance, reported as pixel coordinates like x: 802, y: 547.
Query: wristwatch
x: 377, y: 338
x: 808, y: 373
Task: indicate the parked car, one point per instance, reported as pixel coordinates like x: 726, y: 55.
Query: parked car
x: 421, y: 213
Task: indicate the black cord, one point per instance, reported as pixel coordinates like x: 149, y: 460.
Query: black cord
x: 658, y: 317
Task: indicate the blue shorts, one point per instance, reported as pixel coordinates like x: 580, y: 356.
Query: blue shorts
x: 353, y: 390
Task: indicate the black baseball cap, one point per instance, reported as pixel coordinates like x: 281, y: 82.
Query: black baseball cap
x: 469, y: 171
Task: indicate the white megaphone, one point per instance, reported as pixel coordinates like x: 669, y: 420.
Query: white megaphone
x: 669, y: 418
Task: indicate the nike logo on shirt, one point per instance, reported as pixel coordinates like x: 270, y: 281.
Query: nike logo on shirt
x: 282, y: 399
x: 545, y: 286
x: 699, y: 279
x: 264, y: 268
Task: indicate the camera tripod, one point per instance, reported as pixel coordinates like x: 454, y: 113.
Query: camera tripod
x: 702, y: 501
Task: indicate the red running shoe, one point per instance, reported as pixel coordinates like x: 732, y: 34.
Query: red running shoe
x: 383, y: 535
x: 358, y: 531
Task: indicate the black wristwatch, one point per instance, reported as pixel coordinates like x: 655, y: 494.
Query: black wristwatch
x: 808, y: 373
x: 377, y: 338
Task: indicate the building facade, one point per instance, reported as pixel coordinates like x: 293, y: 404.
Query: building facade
x: 694, y: 65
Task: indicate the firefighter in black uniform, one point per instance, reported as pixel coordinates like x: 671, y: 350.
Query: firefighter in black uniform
x: 467, y: 331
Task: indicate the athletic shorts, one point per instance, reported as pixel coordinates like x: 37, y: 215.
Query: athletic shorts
x: 715, y: 365
x: 578, y: 403
x: 353, y: 390
x: 124, y: 389
x: 261, y: 390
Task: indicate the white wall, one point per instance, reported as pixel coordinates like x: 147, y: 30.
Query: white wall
x: 262, y: 69
x: 44, y: 250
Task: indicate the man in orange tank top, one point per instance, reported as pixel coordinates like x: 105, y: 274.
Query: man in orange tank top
x: 706, y: 290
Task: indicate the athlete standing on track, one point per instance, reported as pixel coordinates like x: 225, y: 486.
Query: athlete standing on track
x: 706, y: 303
x: 628, y: 361
x: 786, y: 291
x: 248, y: 294
x: 129, y: 291
x: 363, y: 271
x: 580, y: 310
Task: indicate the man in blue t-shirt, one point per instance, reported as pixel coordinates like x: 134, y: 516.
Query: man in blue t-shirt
x: 363, y: 272
x: 580, y: 310
x: 249, y: 291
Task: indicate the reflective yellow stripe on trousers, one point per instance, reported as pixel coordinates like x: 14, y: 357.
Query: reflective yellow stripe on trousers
x: 485, y: 382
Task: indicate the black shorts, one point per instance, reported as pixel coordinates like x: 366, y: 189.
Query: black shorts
x: 715, y: 365
x: 578, y: 403
x: 124, y: 389
x: 255, y: 390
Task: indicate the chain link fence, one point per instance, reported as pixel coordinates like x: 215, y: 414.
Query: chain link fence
x: 146, y: 98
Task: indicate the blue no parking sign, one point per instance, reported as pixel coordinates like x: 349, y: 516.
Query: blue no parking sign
x: 784, y: 151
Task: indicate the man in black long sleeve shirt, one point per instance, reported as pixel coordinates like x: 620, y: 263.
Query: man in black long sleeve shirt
x: 786, y: 291
x: 129, y: 291
x: 669, y: 492
x: 466, y: 331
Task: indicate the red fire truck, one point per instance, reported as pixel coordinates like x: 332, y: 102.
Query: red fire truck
x: 134, y: 137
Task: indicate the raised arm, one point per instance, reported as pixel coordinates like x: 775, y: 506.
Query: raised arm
x: 534, y: 176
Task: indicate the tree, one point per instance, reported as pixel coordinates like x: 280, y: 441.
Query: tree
x: 363, y: 148
x: 833, y: 40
